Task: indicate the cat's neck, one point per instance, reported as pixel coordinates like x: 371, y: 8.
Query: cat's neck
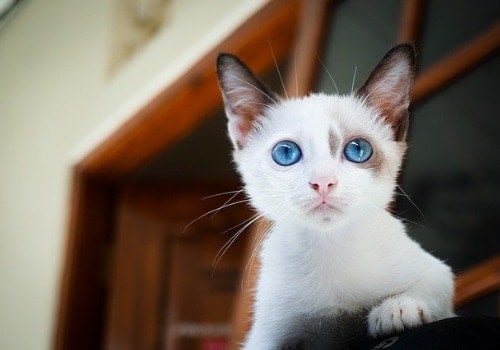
x: 308, y: 249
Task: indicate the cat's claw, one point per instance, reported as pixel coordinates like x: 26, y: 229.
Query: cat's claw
x: 396, y: 314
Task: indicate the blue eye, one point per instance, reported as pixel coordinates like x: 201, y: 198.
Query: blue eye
x: 286, y: 153
x: 358, y: 151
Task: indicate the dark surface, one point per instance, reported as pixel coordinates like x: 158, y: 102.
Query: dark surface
x: 343, y: 331
x: 452, y: 333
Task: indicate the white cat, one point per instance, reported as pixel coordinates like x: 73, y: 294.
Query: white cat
x: 323, y: 170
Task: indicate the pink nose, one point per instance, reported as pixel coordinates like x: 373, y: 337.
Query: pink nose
x: 323, y: 187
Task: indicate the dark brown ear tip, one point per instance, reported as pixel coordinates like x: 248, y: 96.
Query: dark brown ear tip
x: 230, y: 61
x: 223, y: 59
x: 405, y: 49
x: 405, y: 46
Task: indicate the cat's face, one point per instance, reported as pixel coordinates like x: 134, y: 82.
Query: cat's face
x: 319, y: 160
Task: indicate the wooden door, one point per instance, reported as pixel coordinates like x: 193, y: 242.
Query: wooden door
x: 165, y: 290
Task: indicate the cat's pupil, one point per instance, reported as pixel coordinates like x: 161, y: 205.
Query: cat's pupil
x: 286, y: 153
x: 358, y: 151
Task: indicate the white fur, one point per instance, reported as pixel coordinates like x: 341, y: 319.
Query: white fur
x: 357, y: 257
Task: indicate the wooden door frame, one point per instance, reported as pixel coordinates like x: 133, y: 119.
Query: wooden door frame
x: 164, y: 120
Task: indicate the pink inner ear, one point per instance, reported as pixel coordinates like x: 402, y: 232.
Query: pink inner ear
x: 391, y: 110
x: 244, y: 127
x: 239, y: 129
x: 244, y: 117
x: 389, y: 93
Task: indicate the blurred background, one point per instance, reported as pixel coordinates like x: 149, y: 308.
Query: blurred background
x: 111, y: 133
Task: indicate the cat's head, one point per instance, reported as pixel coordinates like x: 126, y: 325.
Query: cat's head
x: 323, y: 159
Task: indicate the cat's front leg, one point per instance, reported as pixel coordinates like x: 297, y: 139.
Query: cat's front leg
x: 396, y: 314
x: 428, y: 300
x: 261, y: 338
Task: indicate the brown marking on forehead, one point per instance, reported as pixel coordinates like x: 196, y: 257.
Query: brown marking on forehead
x: 333, y: 142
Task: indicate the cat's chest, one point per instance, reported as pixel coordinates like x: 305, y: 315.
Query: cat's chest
x: 323, y: 272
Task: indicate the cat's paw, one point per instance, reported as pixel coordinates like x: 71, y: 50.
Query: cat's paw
x: 396, y: 314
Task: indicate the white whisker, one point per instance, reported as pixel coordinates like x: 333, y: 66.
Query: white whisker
x: 257, y: 247
x: 230, y: 242
x: 328, y: 73
x: 256, y: 88
x: 277, y: 68
x: 374, y: 207
x: 225, y: 204
x: 216, y: 210
x: 354, y: 78
x: 295, y: 72
x: 411, y: 201
x: 223, y: 194
x: 240, y: 224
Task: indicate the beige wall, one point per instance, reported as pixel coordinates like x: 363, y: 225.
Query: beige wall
x: 57, y: 100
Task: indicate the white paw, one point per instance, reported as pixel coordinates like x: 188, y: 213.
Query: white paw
x: 396, y: 314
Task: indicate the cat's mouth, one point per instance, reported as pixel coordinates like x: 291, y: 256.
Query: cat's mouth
x: 324, y: 207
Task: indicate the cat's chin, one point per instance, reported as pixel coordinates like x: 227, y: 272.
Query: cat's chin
x: 324, y: 215
x: 322, y: 218
x: 316, y: 219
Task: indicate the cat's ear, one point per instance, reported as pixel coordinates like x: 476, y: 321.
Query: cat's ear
x: 245, y: 97
x: 389, y: 86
